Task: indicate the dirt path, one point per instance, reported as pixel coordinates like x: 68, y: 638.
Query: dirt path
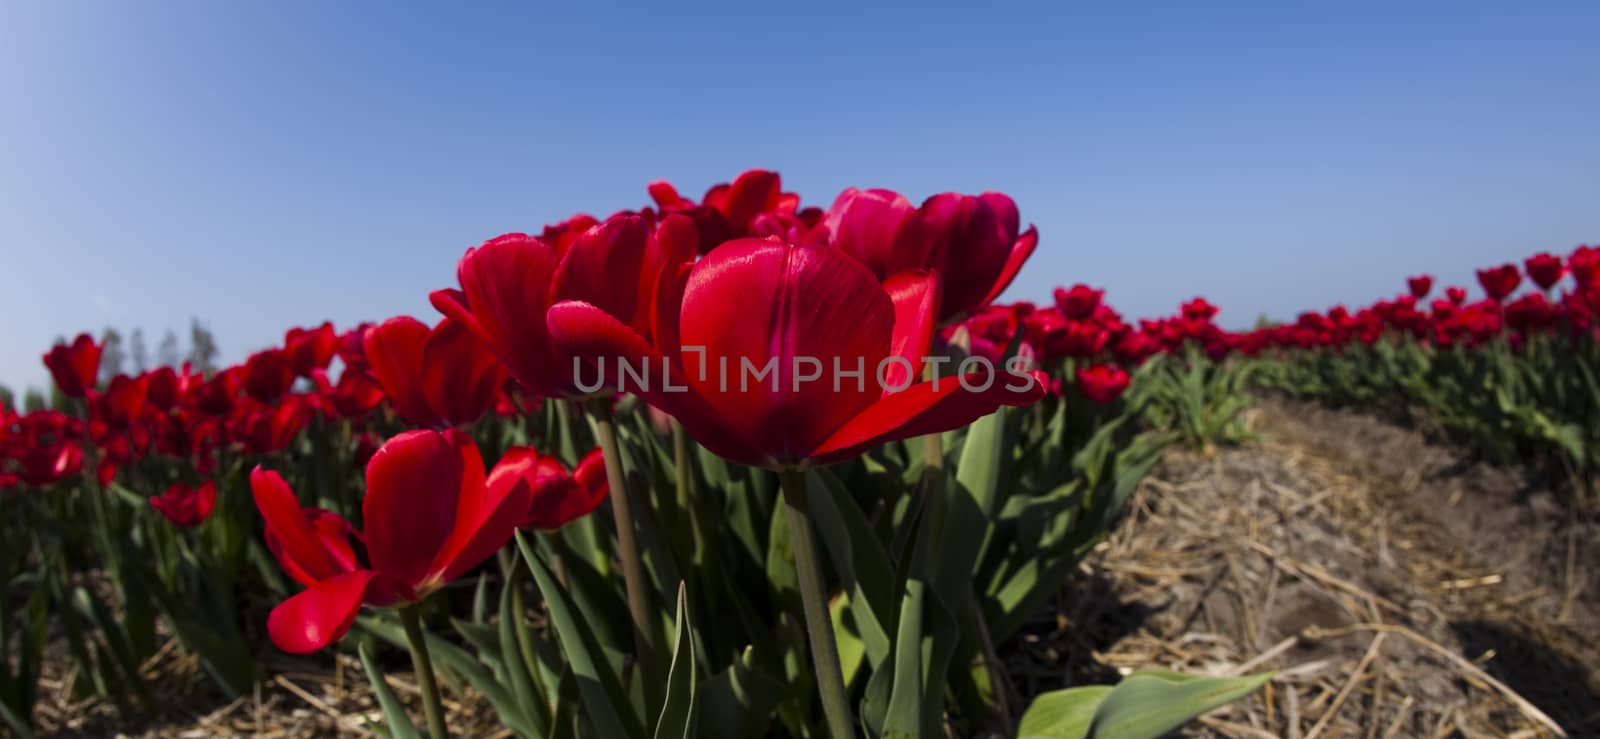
x: 1399, y: 589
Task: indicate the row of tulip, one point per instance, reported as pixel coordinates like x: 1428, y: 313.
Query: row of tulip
x: 1512, y: 375
x: 830, y: 554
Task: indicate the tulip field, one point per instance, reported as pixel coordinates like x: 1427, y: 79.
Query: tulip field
x: 745, y: 466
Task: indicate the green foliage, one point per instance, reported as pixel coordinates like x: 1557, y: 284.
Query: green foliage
x: 1200, y: 400
x: 1538, y: 402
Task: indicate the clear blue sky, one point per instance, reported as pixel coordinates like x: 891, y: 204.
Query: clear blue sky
x: 262, y: 165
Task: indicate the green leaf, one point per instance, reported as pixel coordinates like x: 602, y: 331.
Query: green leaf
x: 394, y: 713
x: 739, y: 700
x: 535, y: 704
x: 460, y: 662
x: 606, y: 703
x: 1145, y: 705
x: 677, y: 717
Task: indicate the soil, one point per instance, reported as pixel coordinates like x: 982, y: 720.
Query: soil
x: 1397, y: 587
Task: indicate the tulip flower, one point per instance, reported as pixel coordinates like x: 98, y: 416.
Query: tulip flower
x: 123, y: 400
x: 728, y: 210
x: 509, y: 283
x: 1102, y: 383
x: 1545, y: 269
x: 970, y: 242
x: 267, y: 375
x: 185, y: 505
x: 440, y: 377
x: 758, y: 303
x: 1498, y: 282
x: 429, y: 519
x: 556, y: 496
x: 1078, y: 303
x: 74, y: 367
x: 1420, y: 285
x: 1199, y: 309
x: 310, y: 349
x: 1457, y: 295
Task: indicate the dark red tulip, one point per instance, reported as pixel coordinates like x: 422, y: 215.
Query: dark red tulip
x: 163, y: 388
x: 1102, y: 383
x: 556, y: 496
x: 1457, y: 295
x: 1585, y: 265
x: 764, y: 303
x: 350, y: 351
x: 355, y: 395
x: 1420, y: 285
x: 310, y: 349
x: 440, y: 377
x: 1545, y: 269
x: 510, y: 282
x: 74, y: 366
x: 185, y: 505
x: 1199, y: 309
x: 429, y: 518
x: 970, y: 242
x: 1498, y: 282
x: 123, y: 401
x: 1079, y: 302
x: 45, y: 464
x: 268, y: 375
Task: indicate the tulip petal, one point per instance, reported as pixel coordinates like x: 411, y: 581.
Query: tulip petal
x: 1020, y: 251
x: 460, y: 377
x: 926, y: 408
x: 300, y: 546
x: 395, y: 350
x: 591, y: 270
x: 320, y: 614
x: 807, y: 305
x: 414, y: 489
x: 587, y: 331
x: 506, y: 282
x: 915, y: 294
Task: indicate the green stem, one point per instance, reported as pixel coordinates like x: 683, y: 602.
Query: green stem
x: 680, y: 465
x: 819, y: 626
x: 423, y: 665
x: 627, y: 540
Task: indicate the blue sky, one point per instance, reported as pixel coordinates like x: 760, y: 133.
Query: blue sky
x: 262, y: 165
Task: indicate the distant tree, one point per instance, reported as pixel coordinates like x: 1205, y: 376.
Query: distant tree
x: 138, y: 352
x: 33, y: 400
x: 167, y: 352
x: 8, y: 399
x: 203, y: 350
x: 112, y: 357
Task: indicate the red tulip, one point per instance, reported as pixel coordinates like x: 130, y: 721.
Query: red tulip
x: 1080, y: 302
x: 268, y: 375
x: 1585, y: 264
x: 753, y: 304
x: 1102, y: 383
x: 74, y: 366
x: 1199, y: 309
x: 123, y: 401
x: 1498, y: 282
x: 510, y: 282
x: 1545, y: 270
x: 186, y: 506
x: 349, y: 349
x: 1420, y: 285
x: 163, y: 388
x: 728, y: 210
x: 442, y: 377
x: 1457, y: 295
x: 556, y: 496
x: 429, y: 517
x: 970, y: 242
x: 310, y: 349
x: 44, y: 464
